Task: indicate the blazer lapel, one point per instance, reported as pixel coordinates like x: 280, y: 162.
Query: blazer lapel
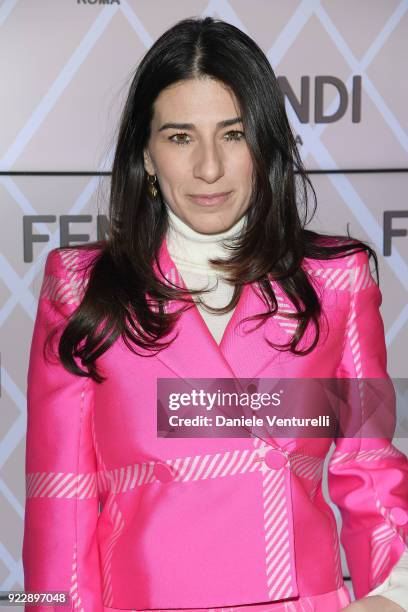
x: 244, y: 343
x: 243, y: 351
x: 194, y: 352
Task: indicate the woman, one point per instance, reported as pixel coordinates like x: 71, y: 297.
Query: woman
x: 124, y: 519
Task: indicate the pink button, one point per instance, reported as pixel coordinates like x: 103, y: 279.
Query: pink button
x: 399, y: 515
x: 163, y: 472
x: 275, y: 459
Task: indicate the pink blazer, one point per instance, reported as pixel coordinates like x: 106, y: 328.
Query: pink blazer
x: 123, y: 519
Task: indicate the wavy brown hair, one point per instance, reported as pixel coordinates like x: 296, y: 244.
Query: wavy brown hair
x: 124, y: 297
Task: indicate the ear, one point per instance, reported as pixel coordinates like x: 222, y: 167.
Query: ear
x: 147, y: 161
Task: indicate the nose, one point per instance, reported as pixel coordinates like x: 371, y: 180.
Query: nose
x: 208, y: 164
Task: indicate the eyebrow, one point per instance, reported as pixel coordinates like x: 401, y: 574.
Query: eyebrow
x: 191, y: 126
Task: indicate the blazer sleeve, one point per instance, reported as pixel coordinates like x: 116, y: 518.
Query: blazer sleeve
x: 367, y: 475
x: 60, y: 544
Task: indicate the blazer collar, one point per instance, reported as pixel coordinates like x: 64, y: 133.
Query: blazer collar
x: 243, y: 351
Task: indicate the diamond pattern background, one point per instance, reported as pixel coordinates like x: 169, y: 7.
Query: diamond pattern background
x: 65, y: 71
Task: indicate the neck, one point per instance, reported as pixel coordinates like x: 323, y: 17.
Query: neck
x: 191, y: 249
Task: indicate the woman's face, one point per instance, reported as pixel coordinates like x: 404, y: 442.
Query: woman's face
x: 200, y: 156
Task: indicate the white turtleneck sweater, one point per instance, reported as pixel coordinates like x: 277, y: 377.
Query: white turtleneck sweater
x: 190, y: 250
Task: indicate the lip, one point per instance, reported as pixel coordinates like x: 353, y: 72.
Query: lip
x: 210, y: 199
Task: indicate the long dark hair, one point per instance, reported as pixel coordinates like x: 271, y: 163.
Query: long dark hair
x: 124, y: 296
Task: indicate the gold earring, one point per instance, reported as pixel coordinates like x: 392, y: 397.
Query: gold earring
x: 152, y: 188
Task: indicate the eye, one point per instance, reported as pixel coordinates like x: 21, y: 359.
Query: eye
x: 178, y: 142
x: 232, y: 136
x: 237, y: 135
